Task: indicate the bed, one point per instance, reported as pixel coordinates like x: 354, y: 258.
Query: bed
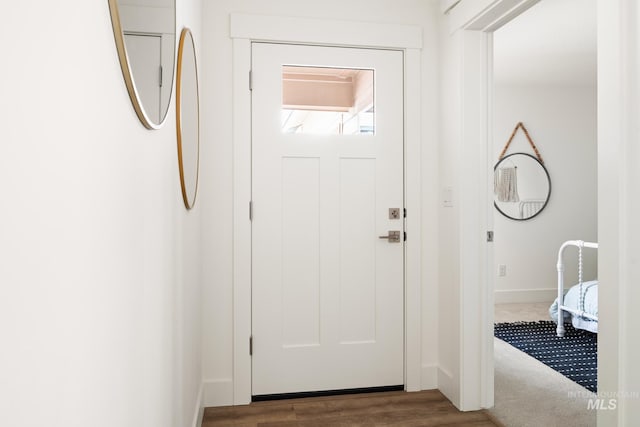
x: 580, y: 304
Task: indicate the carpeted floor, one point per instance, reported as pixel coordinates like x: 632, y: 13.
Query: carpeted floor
x: 575, y: 355
x: 529, y: 393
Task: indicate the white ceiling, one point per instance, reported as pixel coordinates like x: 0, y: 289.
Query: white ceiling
x: 553, y: 43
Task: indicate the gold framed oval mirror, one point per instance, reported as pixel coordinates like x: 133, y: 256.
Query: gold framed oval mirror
x: 145, y: 35
x: 188, y: 118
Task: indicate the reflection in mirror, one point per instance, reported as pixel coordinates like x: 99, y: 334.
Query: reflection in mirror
x: 188, y: 118
x: 521, y: 186
x: 327, y: 101
x: 145, y: 37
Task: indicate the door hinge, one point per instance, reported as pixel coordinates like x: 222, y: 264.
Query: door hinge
x: 489, y: 236
x: 160, y: 76
x: 251, y: 345
x: 251, y: 210
x: 250, y: 79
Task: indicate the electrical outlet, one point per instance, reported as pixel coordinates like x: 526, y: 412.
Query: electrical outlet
x: 502, y: 270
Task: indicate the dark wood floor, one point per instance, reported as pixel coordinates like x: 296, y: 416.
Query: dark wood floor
x: 425, y: 408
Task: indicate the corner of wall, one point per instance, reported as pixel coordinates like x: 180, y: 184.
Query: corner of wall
x: 198, y: 415
x: 217, y: 392
x: 449, y: 387
x: 429, y: 377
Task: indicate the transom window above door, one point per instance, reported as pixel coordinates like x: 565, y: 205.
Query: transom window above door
x: 328, y: 101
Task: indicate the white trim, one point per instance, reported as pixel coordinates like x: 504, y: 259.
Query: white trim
x: 486, y: 15
x: 413, y: 224
x: 429, y: 377
x: 447, y: 384
x: 477, y: 20
x: 487, y: 371
x: 217, y: 392
x: 617, y: 135
x: 241, y: 223
x: 515, y: 296
x: 473, y: 218
x: 248, y: 28
x: 199, y: 409
x: 314, y: 31
x: 447, y: 5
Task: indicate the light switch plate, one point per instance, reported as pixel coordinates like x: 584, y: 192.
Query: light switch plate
x: 447, y: 197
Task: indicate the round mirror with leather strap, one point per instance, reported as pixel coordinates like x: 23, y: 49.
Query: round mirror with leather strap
x: 522, y: 186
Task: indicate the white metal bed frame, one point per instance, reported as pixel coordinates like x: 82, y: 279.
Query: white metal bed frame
x: 560, y: 265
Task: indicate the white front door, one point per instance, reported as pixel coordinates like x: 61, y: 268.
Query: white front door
x: 327, y: 167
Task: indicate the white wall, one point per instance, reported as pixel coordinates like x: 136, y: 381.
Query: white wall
x: 618, y: 210
x: 99, y: 260
x: 449, y: 217
x: 217, y: 174
x: 561, y: 120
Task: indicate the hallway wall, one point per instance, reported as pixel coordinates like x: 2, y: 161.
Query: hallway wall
x: 99, y: 260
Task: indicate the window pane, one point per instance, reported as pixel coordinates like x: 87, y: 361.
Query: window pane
x: 335, y: 101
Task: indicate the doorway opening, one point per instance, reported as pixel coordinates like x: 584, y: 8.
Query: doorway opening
x: 544, y: 75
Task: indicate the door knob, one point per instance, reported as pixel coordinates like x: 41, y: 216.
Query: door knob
x: 393, y: 236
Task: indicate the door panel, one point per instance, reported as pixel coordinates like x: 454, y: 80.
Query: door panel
x: 357, y: 253
x: 327, y: 292
x: 300, y: 251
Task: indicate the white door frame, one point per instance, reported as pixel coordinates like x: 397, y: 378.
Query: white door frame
x: 618, y: 232
x: 617, y: 137
x: 477, y: 20
x: 244, y: 30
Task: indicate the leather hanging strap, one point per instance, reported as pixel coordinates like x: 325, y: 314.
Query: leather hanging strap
x: 526, y: 133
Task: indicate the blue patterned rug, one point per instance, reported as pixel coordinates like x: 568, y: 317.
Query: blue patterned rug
x: 575, y: 355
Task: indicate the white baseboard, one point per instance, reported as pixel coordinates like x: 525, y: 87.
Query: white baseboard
x: 218, y: 392
x: 429, y: 377
x: 199, y: 410
x: 525, y: 295
x: 449, y: 387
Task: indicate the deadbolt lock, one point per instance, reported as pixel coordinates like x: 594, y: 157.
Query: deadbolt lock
x: 394, y: 213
